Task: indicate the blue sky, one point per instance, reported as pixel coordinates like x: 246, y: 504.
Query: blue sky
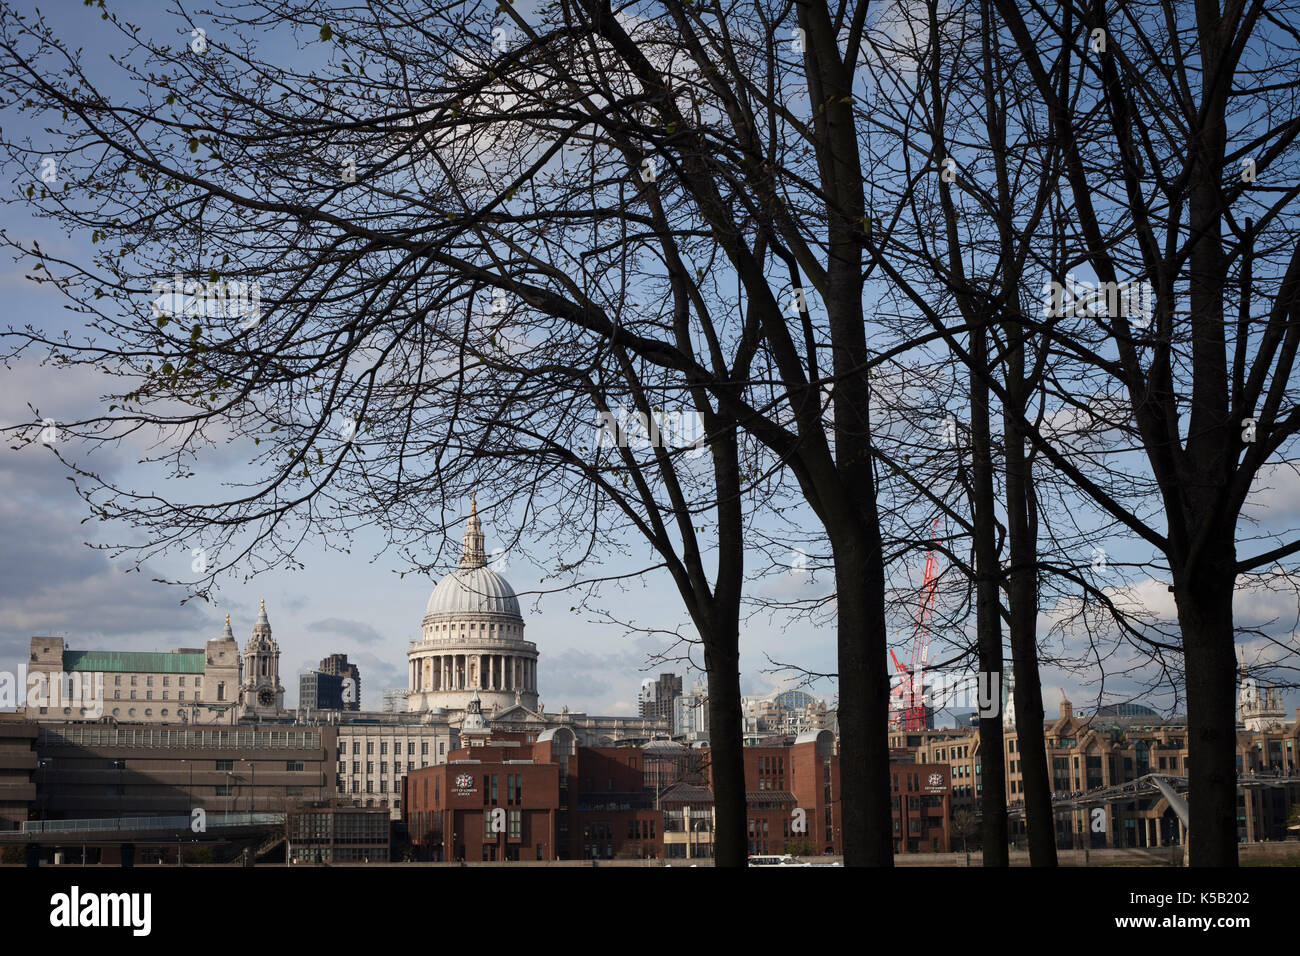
x: 358, y: 603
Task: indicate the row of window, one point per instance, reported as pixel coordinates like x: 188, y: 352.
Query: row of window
x: 117, y: 711
x: 514, y: 789
x: 383, y: 748
x: 148, y: 681
x: 289, y: 765
x: 398, y: 767
x: 955, y: 753
x: 148, y: 695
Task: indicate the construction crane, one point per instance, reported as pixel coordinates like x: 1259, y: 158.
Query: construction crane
x: 907, y: 699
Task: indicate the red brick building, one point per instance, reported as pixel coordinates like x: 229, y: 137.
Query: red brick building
x: 510, y: 798
x: 498, y: 801
x: 922, y: 807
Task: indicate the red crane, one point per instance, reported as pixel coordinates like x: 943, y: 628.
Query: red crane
x: 907, y: 699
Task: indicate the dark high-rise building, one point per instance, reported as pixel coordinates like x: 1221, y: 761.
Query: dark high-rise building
x: 318, y: 691
x: 337, y: 666
x: 657, y: 696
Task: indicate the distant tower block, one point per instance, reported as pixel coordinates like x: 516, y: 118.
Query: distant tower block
x: 337, y: 665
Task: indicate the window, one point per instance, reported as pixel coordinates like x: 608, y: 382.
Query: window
x: 117, y: 681
x: 225, y: 790
x: 148, y: 695
x: 410, y: 747
x: 424, y: 748
x: 166, y: 681
x: 355, y: 786
x: 516, y: 824
x: 164, y: 695
x: 181, y: 681
x: 293, y: 765
x: 383, y: 786
x: 383, y: 747
x: 133, y: 678
x: 488, y: 832
x: 370, y: 767
x: 164, y: 711
x: 383, y: 766
x: 356, y: 747
x: 356, y: 766
x: 370, y: 787
x: 442, y: 746
x: 117, y: 711
x: 180, y: 695
x: 370, y: 746
x: 117, y: 695
x: 225, y: 765
x: 133, y: 695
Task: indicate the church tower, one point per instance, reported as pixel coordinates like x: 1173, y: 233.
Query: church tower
x: 262, y: 693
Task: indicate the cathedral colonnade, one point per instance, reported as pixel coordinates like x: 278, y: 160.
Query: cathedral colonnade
x: 431, y: 673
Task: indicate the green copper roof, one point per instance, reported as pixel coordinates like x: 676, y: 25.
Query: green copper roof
x: 152, y: 662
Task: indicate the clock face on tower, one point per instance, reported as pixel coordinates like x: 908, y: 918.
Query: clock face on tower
x: 266, y: 696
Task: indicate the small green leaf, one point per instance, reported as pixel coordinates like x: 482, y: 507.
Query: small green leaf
x: 171, y: 98
x: 326, y: 32
x: 194, y: 145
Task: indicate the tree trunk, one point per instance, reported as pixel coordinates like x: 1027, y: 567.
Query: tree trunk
x: 865, y: 798
x: 1022, y: 604
x: 726, y: 754
x: 988, y: 623
x: 1205, y: 616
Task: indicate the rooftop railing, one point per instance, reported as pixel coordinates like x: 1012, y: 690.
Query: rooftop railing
x: 211, y: 739
x: 214, y: 820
